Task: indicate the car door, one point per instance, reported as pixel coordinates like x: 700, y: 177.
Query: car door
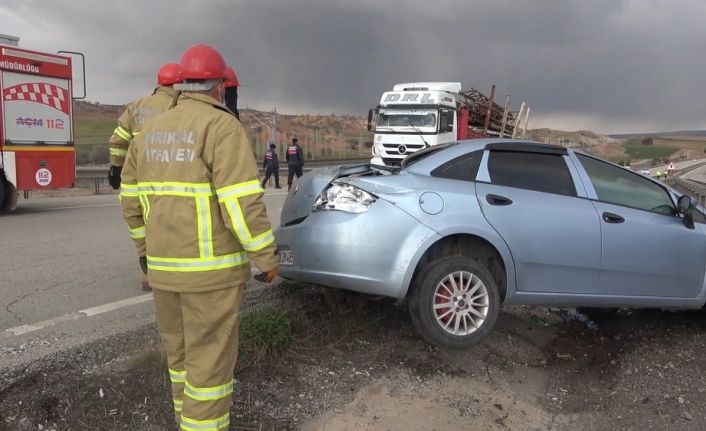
x: 647, y: 249
x: 530, y: 198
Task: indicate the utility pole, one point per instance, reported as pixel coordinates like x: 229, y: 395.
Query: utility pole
x: 273, y: 127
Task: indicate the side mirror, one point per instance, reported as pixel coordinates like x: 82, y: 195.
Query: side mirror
x: 370, y: 119
x: 450, y: 128
x: 684, y: 205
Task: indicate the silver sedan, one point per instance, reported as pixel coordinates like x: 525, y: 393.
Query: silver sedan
x: 462, y: 228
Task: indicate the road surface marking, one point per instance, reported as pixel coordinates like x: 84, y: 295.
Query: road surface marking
x: 116, y: 305
x: 88, y: 312
x: 75, y: 207
x: 111, y: 306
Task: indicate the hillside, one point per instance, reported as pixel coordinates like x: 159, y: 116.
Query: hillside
x: 329, y: 137
x: 321, y: 136
x: 581, y: 139
x: 691, y: 133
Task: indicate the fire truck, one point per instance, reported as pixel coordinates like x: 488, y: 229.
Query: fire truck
x: 416, y: 115
x: 36, y: 121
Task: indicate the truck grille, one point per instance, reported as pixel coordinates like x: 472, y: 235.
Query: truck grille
x: 393, y: 149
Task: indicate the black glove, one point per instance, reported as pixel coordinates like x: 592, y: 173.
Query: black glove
x: 114, y: 176
x: 143, y: 264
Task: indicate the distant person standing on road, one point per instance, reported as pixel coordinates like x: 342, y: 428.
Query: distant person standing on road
x: 271, y: 165
x: 295, y: 161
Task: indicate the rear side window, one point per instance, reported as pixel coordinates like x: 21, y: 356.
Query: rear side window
x: 621, y: 187
x: 546, y: 173
x: 464, y: 168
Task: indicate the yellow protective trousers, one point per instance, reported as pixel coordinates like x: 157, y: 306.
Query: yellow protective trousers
x: 199, y: 333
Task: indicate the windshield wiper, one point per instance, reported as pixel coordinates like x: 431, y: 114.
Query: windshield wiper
x: 420, y: 135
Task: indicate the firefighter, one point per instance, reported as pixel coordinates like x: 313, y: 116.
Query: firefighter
x: 295, y: 161
x: 135, y: 115
x: 271, y: 166
x: 232, y: 85
x: 192, y: 200
x: 130, y: 123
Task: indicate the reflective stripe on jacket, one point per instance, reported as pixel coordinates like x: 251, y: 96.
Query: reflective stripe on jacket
x: 132, y: 120
x: 191, y: 182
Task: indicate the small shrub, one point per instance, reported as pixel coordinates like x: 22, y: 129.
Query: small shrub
x: 266, y: 329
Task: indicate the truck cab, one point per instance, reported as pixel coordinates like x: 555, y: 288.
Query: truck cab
x: 411, y: 117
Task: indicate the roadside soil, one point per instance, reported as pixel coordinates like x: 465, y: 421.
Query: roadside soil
x: 358, y: 365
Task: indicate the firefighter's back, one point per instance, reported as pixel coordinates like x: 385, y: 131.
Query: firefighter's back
x: 185, y: 232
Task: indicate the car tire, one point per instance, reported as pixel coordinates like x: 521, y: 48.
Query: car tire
x: 458, y: 328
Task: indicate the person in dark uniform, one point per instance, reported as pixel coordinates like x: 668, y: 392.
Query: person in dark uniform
x: 271, y: 165
x: 295, y: 161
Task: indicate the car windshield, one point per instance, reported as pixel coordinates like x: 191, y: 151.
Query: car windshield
x: 408, y: 118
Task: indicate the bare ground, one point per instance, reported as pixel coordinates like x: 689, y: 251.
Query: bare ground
x: 358, y: 365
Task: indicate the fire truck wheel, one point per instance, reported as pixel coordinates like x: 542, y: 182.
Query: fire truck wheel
x: 3, y: 194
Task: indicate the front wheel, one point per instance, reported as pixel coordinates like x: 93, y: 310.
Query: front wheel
x: 454, y: 302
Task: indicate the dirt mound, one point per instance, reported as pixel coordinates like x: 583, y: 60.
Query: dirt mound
x: 92, y: 111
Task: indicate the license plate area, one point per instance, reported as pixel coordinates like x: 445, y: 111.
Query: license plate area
x: 286, y: 257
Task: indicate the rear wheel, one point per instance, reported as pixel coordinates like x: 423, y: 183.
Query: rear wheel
x: 454, y: 302
x: 4, y: 194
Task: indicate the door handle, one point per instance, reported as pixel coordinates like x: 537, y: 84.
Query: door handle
x: 612, y: 218
x: 498, y: 200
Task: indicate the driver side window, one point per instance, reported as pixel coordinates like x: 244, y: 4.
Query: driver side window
x: 621, y: 187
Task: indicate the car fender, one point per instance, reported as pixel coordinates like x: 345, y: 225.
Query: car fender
x: 487, y: 234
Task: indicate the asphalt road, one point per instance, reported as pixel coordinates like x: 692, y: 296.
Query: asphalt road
x: 698, y: 174
x: 70, y: 274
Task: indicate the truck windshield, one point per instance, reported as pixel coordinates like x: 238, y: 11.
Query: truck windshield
x: 421, y: 119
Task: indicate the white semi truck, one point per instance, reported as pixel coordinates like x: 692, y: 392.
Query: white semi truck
x: 417, y: 115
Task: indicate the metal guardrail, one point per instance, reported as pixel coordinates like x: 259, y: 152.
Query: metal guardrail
x: 689, y: 187
x: 96, y: 177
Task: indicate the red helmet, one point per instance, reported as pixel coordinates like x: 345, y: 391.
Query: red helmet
x: 168, y: 74
x: 202, y: 62
x: 231, y: 78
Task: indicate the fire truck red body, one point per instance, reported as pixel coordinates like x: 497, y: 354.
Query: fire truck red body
x: 36, y: 123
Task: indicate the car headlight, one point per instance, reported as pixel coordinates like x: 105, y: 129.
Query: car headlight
x: 344, y: 197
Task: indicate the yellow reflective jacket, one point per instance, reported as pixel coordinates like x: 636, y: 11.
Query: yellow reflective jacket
x: 192, y: 199
x: 133, y: 119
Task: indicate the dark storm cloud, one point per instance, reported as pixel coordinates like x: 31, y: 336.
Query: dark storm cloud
x: 606, y: 64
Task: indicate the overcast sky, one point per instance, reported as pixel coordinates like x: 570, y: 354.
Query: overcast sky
x: 603, y: 65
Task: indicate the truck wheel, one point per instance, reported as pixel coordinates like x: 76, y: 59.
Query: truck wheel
x: 3, y: 194
x: 454, y: 302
